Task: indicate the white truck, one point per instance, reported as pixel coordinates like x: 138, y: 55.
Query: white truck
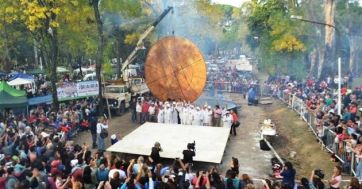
x: 119, y: 94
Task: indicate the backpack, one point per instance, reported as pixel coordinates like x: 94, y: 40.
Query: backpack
x: 104, y: 133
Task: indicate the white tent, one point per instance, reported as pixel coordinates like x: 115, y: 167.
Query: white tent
x: 20, y: 81
x: 85, y: 70
x: 62, y: 69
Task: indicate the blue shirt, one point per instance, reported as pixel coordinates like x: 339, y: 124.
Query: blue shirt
x: 102, y: 174
x: 288, y: 177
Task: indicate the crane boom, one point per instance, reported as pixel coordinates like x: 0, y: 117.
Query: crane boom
x: 131, y: 57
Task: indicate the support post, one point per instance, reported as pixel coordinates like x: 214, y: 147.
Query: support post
x: 339, y: 105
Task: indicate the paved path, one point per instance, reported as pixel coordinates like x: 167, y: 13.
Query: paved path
x: 244, y: 146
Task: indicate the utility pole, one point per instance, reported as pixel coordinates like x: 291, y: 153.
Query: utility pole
x: 339, y: 103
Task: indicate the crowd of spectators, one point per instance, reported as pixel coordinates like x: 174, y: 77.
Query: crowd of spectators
x: 230, y: 80
x: 320, y: 100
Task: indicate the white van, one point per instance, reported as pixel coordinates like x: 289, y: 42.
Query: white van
x: 90, y: 77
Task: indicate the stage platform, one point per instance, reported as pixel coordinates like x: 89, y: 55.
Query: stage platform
x: 210, y: 141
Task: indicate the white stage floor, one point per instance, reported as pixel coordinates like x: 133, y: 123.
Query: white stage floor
x: 210, y: 141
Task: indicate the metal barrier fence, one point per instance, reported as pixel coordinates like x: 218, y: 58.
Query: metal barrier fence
x: 226, y: 86
x: 326, y: 137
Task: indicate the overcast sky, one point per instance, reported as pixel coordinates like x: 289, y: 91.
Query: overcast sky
x: 236, y: 3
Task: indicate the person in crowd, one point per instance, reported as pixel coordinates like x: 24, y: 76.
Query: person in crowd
x: 183, y: 113
x: 288, y: 173
x: 155, y: 157
x: 227, y: 120
x: 168, y: 114
x: 132, y: 107
x: 246, y: 180
x: 152, y: 112
x: 139, y: 111
x: 354, y: 183
x: 197, y: 117
x: 234, y: 165
x: 190, y: 115
x: 232, y: 181
x: 358, y: 155
x: 217, y: 116
x: 161, y: 115
x: 174, y: 114
x: 189, y: 154
x: 93, y: 129
x: 235, y: 121
x: 336, y: 178
x: 315, y: 182
x: 102, y: 127
x: 207, y: 119
x: 145, y: 114
x: 115, y: 138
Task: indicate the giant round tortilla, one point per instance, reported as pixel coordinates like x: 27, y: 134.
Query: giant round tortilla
x: 175, y: 69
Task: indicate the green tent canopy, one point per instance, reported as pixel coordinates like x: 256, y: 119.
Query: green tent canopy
x: 11, y: 98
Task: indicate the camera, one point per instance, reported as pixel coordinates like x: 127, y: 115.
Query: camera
x: 191, y: 146
x: 319, y: 173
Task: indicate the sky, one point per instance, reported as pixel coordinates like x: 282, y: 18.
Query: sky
x: 236, y: 3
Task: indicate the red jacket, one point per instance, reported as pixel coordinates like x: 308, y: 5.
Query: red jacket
x: 235, y: 117
x: 145, y: 107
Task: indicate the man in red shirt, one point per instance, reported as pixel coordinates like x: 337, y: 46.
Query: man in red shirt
x: 145, y: 108
x: 234, y: 124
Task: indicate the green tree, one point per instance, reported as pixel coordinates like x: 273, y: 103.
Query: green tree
x: 276, y: 36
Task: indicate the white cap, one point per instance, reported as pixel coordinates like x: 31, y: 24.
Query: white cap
x: 113, y: 137
x: 44, y: 134
x: 74, y: 162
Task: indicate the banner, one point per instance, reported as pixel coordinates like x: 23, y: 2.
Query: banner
x: 40, y: 100
x: 70, y: 90
x: 87, y: 88
x: 67, y: 90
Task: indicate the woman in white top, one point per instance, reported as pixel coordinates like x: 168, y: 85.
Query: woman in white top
x: 227, y: 120
x: 102, y: 124
x: 138, y: 111
x: 336, y: 179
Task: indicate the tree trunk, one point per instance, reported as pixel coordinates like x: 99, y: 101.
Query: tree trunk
x: 354, y: 46
x: 119, y: 59
x: 36, y: 57
x: 321, y: 52
x: 329, y: 56
x: 95, y: 4
x: 53, y: 67
x: 313, y: 58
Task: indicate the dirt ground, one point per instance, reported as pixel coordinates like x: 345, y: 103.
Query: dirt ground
x: 294, y: 135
